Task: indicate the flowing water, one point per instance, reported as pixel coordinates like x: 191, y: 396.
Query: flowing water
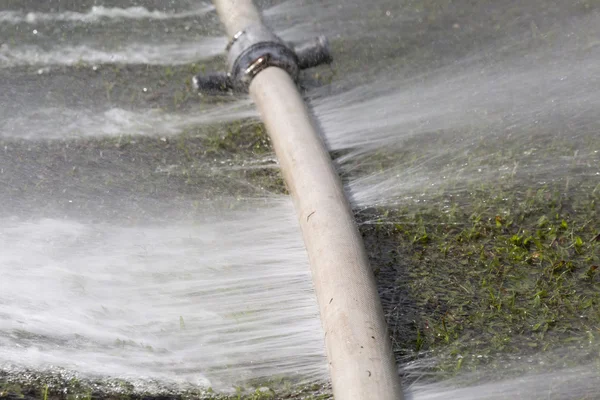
x: 122, y: 257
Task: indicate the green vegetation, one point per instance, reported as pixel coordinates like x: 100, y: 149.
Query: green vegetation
x: 474, y: 277
x: 62, y: 387
x: 491, y: 275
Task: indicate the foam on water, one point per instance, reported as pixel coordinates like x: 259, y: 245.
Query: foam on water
x: 174, y: 53
x: 130, y: 53
x: 99, y: 14
x: 61, y: 123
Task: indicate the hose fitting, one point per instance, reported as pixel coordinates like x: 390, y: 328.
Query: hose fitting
x: 255, y: 48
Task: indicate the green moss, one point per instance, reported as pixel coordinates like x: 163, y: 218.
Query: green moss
x: 495, y: 273
x: 246, y: 148
x: 238, y: 139
x: 60, y: 386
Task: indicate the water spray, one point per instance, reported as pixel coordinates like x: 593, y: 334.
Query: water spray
x: 359, y: 350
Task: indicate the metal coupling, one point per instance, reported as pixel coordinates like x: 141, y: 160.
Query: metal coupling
x: 256, y: 48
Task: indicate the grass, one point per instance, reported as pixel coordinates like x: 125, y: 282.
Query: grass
x: 476, y: 276
x: 497, y: 273
x: 67, y: 387
x: 473, y: 278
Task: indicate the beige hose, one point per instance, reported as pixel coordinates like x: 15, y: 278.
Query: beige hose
x: 359, y: 352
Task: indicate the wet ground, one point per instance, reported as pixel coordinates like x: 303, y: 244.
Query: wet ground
x: 461, y: 128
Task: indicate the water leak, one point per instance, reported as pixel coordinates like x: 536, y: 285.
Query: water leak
x: 123, y: 255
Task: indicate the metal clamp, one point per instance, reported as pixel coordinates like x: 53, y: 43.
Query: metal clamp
x: 256, y: 48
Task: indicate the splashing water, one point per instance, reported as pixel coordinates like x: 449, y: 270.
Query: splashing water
x: 134, y: 53
x: 206, y: 288
x: 65, y: 276
x: 56, y: 123
x: 99, y: 13
x: 574, y: 383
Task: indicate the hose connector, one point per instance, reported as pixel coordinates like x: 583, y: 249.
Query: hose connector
x: 255, y: 48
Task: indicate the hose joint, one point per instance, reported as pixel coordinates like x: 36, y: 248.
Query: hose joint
x: 255, y: 48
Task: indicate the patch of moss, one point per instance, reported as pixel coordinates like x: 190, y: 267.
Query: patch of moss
x: 239, y: 139
x: 496, y: 273
x: 64, y: 386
